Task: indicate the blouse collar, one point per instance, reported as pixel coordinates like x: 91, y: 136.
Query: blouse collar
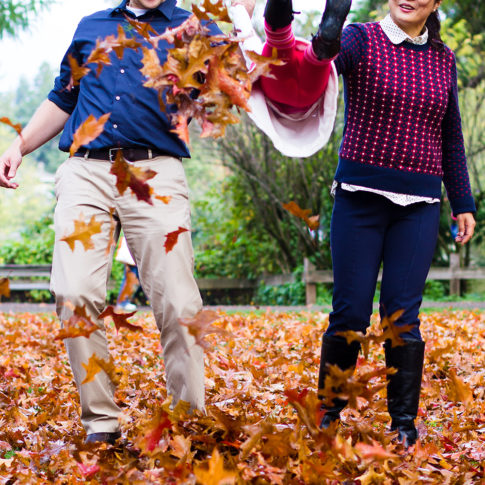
x: 396, y: 35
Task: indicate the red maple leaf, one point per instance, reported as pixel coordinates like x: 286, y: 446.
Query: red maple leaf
x: 120, y: 319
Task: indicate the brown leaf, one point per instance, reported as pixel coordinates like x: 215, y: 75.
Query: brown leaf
x: 112, y: 228
x: 150, y: 436
x: 133, y: 177
x: 393, y: 332
x: 100, y: 56
x: 311, y: 221
x: 172, y: 237
x: 375, y: 451
x: 88, y: 131
x: 83, y: 232
x: 122, y: 42
x: 78, y: 325
x: 129, y: 287
x: 120, y: 319
x: 16, y: 126
x: 142, y: 28
x: 262, y: 65
x: 4, y: 287
x: 201, y: 325
x: 217, y: 9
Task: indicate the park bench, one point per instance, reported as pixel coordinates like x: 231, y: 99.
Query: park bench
x: 26, y: 277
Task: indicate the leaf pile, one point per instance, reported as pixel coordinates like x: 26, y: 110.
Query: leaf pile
x: 262, y: 409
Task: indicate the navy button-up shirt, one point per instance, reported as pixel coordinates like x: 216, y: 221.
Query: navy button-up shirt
x: 136, y: 118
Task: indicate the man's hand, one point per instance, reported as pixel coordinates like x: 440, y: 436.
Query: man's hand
x: 9, y: 163
x: 466, y: 227
x: 247, y: 4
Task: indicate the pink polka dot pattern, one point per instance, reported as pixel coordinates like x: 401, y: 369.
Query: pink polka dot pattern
x: 402, y: 109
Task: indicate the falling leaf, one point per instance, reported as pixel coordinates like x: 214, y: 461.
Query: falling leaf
x: 151, y: 435
x: 78, y: 325
x: 96, y: 364
x: 313, y: 222
x: 143, y: 29
x: 201, y: 325
x: 83, y: 232
x: 163, y: 198
x: 77, y: 71
x: 262, y: 65
x: 122, y: 42
x: 129, y: 287
x: 4, y: 287
x: 393, y: 332
x: 375, y: 451
x: 120, y: 319
x: 216, y: 474
x: 172, y: 237
x: 133, y: 177
x: 16, y: 126
x: 217, y: 9
x: 88, y: 131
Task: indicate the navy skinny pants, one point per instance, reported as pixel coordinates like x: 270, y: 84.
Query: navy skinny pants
x: 366, y: 230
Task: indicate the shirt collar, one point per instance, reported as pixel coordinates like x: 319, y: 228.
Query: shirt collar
x: 166, y: 8
x: 396, y: 35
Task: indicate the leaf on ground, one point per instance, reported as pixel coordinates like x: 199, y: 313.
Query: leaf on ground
x: 83, y: 232
x: 135, y: 178
x: 120, y: 319
x: 313, y: 222
x: 171, y: 238
x: 16, y: 126
x: 4, y: 287
x: 88, y: 131
x: 201, y: 325
x: 461, y: 391
x: 374, y: 451
x: 216, y: 474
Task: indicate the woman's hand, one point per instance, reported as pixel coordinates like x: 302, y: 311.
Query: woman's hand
x: 247, y: 4
x: 466, y: 227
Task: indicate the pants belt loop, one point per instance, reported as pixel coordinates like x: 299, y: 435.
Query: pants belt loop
x: 86, y: 155
x: 150, y: 153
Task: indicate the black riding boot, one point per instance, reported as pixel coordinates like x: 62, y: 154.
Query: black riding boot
x: 335, y: 351
x: 278, y: 13
x: 326, y: 44
x: 404, y: 387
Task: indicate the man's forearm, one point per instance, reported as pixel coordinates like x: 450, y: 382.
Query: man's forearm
x: 46, y: 123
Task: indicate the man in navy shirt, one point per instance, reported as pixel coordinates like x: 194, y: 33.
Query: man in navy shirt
x: 86, y: 188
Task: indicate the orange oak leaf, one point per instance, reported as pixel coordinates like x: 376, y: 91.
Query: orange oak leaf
x: 122, y: 42
x: 133, y: 177
x: 182, y: 128
x: 261, y: 66
x: 172, y: 237
x: 461, y: 391
x: 201, y: 325
x: 16, y: 126
x: 78, y: 325
x: 163, y: 198
x: 391, y: 331
x: 215, y: 474
x: 88, y: 131
x: 150, y: 436
x: 313, y: 222
x: 217, y: 9
x: 100, y: 56
x: 77, y: 71
x: 142, y: 28
x: 83, y: 232
x: 4, y: 287
x: 120, y: 319
x: 96, y: 364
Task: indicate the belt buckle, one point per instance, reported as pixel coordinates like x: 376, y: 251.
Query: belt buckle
x: 110, y: 153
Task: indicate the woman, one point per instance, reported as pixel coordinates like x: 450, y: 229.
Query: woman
x: 402, y: 137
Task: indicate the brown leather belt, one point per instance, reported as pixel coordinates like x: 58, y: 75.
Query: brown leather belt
x: 130, y: 154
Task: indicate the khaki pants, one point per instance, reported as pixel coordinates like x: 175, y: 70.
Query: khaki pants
x: 80, y: 277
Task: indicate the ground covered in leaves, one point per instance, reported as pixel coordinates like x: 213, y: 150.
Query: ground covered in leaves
x: 261, y: 409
